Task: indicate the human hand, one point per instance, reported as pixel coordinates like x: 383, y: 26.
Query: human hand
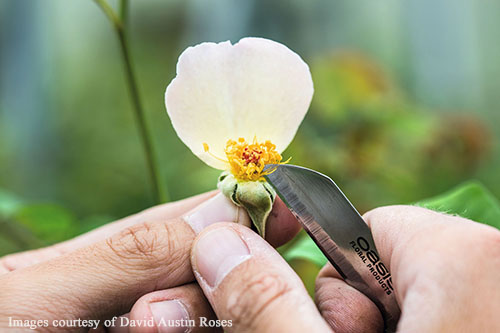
x: 445, y: 271
x: 143, y: 268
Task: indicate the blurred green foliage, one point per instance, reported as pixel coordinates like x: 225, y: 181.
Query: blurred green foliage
x: 28, y: 225
x: 379, y: 146
x: 49, y: 222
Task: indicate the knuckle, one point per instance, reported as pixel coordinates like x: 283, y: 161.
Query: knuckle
x: 376, y: 214
x: 149, y: 246
x: 138, y: 242
x: 254, y: 296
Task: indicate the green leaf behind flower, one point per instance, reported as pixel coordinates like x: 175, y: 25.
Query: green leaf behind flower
x: 471, y: 200
x: 305, y: 248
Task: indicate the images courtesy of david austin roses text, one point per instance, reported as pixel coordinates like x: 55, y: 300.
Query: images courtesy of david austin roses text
x: 116, y: 322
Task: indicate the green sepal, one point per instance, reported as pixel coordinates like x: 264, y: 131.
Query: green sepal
x: 257, y: 197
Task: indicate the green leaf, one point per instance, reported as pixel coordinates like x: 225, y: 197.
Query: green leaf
x: 49, y: 222
x: 306, y: 249
x: 308, y: 271
x: 470, y: 200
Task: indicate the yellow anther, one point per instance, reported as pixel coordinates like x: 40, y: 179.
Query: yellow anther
x: 247, y: 160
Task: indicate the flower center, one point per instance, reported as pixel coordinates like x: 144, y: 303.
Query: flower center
x: 247, y: 160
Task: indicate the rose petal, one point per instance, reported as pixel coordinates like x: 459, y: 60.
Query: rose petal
x: 255, y: 88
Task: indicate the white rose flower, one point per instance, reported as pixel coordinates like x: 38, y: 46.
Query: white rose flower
x: 237, y: 107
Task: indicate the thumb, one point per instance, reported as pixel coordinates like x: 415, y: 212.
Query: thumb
x: 249, y: 284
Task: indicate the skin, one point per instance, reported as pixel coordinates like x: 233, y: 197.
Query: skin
x: 119, y: 267
x: 445, y: 272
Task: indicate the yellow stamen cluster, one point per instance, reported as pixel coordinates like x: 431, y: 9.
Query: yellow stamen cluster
x: 247, y: 160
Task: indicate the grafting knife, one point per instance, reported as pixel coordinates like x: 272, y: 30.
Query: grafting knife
x: 339, y: 231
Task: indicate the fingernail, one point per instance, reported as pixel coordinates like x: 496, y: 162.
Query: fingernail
x: 170, y: 316
x: 217, y: 253
x: 217, y: 209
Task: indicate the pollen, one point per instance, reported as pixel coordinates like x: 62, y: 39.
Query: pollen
x: 247, y: 160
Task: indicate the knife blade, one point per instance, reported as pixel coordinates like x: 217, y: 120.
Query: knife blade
x: 339, y: 231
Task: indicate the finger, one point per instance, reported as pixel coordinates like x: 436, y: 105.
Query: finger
x: 408, y: 238
x: 248, y: 282
x: 173, y: 310
x: 436, y: 262
x: 281, y: 225
x: 158, y: 213
x: 138, y: 260
x: 343, y: 307
x: 106, y: 278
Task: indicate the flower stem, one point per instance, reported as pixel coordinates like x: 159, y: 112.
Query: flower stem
x: 118, y: 23
x: 123, y: 9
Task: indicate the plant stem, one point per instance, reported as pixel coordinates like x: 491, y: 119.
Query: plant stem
x: 160, y: 195
x: 110, y: 13
x: 123, y: 10
x: 144, y: 131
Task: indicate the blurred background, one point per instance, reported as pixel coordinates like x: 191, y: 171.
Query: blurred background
x: 406, y: 102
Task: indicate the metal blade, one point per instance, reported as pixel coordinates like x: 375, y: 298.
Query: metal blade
x: 339, y: 231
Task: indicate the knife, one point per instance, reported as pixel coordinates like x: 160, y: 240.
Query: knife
x: 339, y: 231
